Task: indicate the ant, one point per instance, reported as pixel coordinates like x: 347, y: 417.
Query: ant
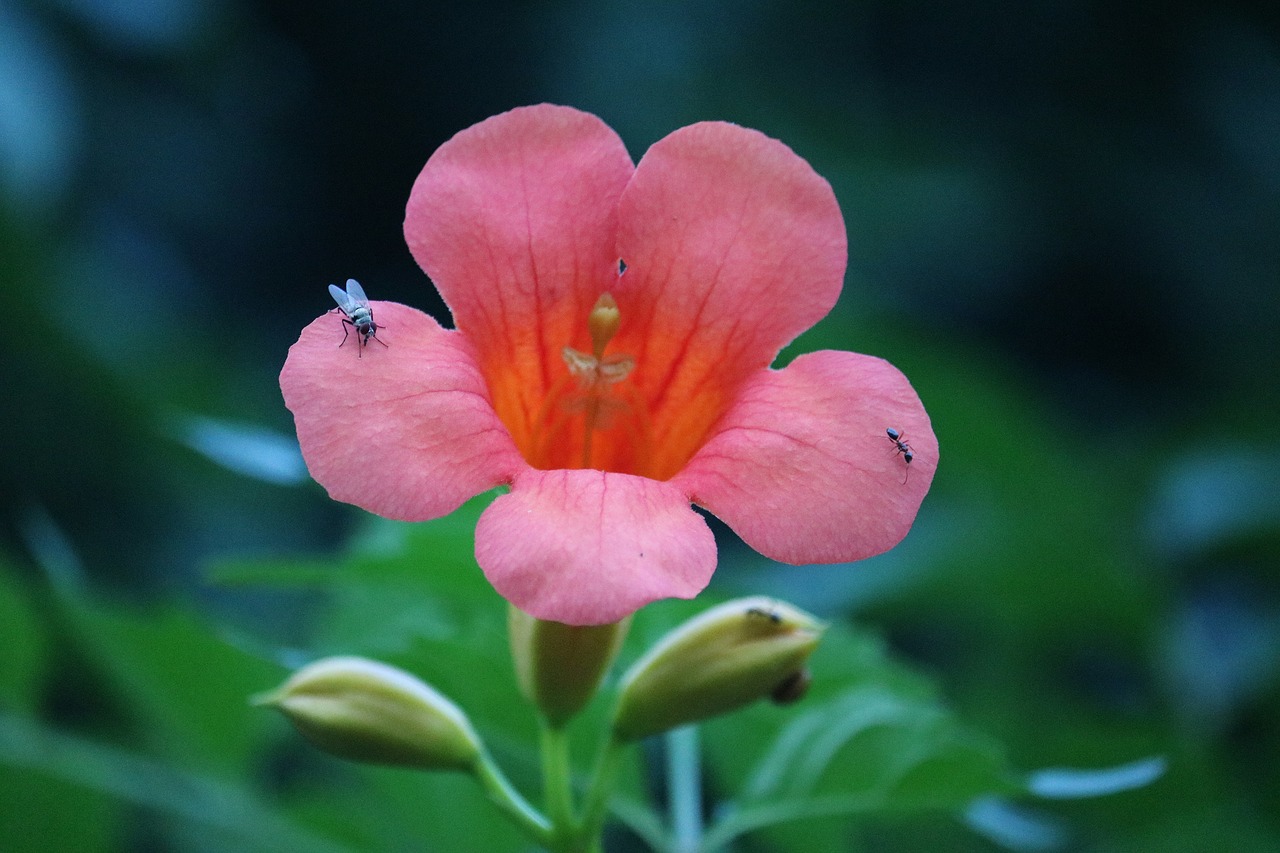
x: 772, y: 615
x: 900, y: 445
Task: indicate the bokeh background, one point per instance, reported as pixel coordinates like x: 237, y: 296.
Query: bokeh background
x: 1064, y: 222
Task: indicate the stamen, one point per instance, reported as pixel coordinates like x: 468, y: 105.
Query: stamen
x: 597, y: 372
x: 592, y: 396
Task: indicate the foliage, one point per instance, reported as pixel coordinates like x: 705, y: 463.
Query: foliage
x: 182, y: 746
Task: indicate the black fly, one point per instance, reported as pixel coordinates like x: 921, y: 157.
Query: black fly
x: 355, y: 305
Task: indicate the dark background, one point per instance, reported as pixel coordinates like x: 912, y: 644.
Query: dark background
x: 1064, y: 223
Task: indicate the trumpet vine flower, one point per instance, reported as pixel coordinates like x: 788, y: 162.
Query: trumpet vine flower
x: 615, y: 326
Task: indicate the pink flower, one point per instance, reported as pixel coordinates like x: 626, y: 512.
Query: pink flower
x: 607, y: 422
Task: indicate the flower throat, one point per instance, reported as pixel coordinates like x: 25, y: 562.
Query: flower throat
x: 593, y: 397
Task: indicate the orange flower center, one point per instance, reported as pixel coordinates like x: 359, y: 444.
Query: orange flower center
x: 643, y: 409
x: 591, y: 417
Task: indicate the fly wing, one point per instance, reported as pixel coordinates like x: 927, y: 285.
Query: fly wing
x: 345, y: 302
x: 356, y: 293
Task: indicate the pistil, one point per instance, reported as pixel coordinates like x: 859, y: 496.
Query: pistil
x: 597, y: 372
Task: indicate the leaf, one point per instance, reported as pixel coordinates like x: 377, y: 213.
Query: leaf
x: 1063, y: 783
x: 1014, y: 827
x: 44, y: 813
x: 203, y: 800
x: 244, y: 448
x: 23, y: 644
x: 186, y: 688
x: 642, y: 819
x: 383, y: 809
x: 872, y: 740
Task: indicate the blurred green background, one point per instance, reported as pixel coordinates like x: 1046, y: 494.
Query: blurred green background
x: 1064, y: 222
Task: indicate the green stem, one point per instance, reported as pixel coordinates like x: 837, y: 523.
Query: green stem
x: 596, y: 804
x: 509, y: 801
x: 557, y: 777
x: 684, y: 788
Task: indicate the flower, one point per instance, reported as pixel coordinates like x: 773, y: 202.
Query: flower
x: 615, y: 327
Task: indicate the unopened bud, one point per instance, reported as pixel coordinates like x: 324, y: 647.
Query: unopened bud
x: 730, y: 656
x: 367, y: 711
x: 559, y: 667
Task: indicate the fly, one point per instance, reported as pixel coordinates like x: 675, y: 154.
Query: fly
x: 355, y: 305
x: 899, y: 439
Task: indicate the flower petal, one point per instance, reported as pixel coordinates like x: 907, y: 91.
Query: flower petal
x: 588, y: 547
x: 405, y: 431
x: 733, y: 246
x: 801, y: 467
x: 515, y: 220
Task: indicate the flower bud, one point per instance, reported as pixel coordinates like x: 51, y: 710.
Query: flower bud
x: 558, y: 666
x: 367, y: 711
x: 727, y: 657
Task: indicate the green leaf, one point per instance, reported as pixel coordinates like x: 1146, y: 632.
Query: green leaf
x: 205, y: 801
x: 377, y: 809
x: 39, y: 812
x: 1014, y: 827
x: 23, y: 644
x: 1064, y: 783
x: 185, y: 688
x: 871, y: 738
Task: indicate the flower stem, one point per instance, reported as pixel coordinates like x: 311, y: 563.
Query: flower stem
x: 508, y: 800
x: 557, y: 778
x: 596, y: 803
x: 684, y: 789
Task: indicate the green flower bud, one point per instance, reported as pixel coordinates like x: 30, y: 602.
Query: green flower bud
x: 727, y: 657
x: 559, y: 667
x: 367, y: 711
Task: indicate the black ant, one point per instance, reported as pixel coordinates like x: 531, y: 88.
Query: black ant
x: 899, y: 439
x: 772, y: 615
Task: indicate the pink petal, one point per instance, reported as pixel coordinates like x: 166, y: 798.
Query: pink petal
x: 515, y: 220
x: 801, y: 467
x: 588, y: 547
x: 405, y: 431
x: 734, y: 246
